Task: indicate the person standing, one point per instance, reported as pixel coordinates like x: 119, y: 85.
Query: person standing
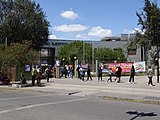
x: 99, y: 73
x: 38, y: 76
x: 47, y: 73
x: 78, y: 71
x: 89, y: 73
x: 71, y: 72
x: 33, y: 74
x: 82, y: 73
x: 131, y: 79
x: 65, y: 71
x: 150, y: 75
x: 110, y: 75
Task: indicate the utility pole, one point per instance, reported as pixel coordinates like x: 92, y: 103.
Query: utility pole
x: 157, y: 63
x: 157, y: 43
x: 92, y: 56
x: 6, y: 42
x: 83, y: 52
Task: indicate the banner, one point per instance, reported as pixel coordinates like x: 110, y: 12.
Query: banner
x: 139, y: 66
x: 27, y: 68
x: 126, y: 67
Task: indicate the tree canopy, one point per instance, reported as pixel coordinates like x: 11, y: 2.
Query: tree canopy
x: 149, y: 37
x: 109, y: 55
x: 82, y: 50
x: 149, y: 19
x: 79, y: 49
x: 17, y: 55
x: 23, y: 20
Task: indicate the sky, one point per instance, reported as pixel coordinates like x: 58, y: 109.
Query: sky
x: 91, y: 19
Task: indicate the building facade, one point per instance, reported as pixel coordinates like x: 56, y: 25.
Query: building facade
x: 50, y: 49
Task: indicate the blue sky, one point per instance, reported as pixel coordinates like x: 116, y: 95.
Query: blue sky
x: 91, y: 19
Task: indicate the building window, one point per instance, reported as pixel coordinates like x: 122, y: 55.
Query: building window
x: 131, y: 51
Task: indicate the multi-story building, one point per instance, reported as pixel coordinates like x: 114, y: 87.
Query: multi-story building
x: 49, y: 50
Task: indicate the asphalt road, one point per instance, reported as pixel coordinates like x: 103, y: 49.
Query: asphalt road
x: 27, y: 105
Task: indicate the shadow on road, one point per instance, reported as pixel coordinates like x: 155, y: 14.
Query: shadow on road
x: 140, y: 114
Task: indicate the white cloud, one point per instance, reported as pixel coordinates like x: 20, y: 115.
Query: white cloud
x: 53, y: 37
x: 126, y: 31
x: 70, y: 14
x: 82, y: 36
x: 70, y: 28
x: 99, y: 32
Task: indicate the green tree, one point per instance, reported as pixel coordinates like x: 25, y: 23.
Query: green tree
x: 77, y: 49
x: 23, y: 20
x: 149, y: 19
x: 109, y: 55
x: 17, y: 55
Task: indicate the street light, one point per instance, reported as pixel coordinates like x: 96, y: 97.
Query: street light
x: 75, y: 66
x: 63, y: 61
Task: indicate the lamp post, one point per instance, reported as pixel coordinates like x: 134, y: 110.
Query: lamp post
x: 57, y: 69
x: 63, y: 61
x: 75, y: 66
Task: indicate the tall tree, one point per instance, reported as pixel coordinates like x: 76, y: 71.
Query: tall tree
x: 149, y: 19
x: 109, y: 55
x: 78, y: 49
x: 23, y: 20
x: 17, y: 55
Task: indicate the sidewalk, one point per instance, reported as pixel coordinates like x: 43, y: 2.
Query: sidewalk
x: 103, y: 89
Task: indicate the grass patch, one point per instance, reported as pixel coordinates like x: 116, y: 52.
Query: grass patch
x: 130, y: 100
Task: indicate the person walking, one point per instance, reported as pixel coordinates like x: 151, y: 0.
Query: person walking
x: 110, y: 75
x: 78, y: 71
x: 118, y: 74
x: 150, y: 75
x: 99, y: 73
x: 82, y: 73
x: 89, y: 73
x: 131, y: 79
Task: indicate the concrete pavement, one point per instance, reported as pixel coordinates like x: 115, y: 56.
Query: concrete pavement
x: 139, y: 91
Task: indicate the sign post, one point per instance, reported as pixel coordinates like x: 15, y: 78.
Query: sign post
x: 57, y: 69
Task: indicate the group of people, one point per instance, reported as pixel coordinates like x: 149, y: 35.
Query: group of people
x: 4, y: 79
x: 132, y: 74
x: 110, y: 73
x: 36, y: 74
x: 149, y: 74
x: 81, y: 73
x: 69, y: 72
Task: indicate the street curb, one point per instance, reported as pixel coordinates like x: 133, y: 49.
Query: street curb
x: 155, y: 102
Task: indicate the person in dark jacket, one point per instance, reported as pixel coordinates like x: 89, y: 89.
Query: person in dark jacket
x: 150, y: 76
x: 131, y: 79
x: 110, y: 74
x: 118, y: 74
x: 89, y: 73
x: 99, y: 73
x: 47, y: 73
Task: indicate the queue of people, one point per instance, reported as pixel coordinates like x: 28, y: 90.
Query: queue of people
x: 82, y: 73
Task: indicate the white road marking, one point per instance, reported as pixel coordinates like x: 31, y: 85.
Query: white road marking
x: 44, y: 104
x: 16, y: 98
